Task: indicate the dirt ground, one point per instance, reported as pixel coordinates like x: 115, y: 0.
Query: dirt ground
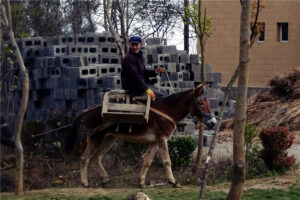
x: 291, y: 179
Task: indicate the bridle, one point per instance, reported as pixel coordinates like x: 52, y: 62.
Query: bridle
x: 198, y: 104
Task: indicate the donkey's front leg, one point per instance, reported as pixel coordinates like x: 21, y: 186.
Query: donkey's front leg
x: 151, y: 152
x: 164, y: 153
x: 85, y: 158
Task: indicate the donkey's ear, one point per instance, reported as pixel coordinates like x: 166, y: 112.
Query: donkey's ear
x: 200, y: 89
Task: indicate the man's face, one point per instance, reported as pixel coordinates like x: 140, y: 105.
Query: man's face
x: 135, y: 47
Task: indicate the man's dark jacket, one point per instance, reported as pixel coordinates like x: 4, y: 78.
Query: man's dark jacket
x: 134, y: 73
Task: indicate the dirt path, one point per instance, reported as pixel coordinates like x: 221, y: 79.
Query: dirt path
x: 291, y: 179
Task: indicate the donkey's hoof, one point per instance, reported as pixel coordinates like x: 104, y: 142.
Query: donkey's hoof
x: 142, y: 186
x: 85, y: 185
x: 175, y: 185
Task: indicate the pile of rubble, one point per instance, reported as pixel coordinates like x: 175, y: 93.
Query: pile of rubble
x: 279, y: 106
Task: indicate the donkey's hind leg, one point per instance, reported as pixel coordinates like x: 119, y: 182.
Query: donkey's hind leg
x: 151, y: 152
x: 164, y: 153
x: 103, y: 148
x: 85, y: 158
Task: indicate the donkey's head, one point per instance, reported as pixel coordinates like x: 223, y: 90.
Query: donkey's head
x: 200, y: 107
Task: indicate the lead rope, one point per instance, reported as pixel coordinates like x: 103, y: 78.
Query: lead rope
x: 171, y: 85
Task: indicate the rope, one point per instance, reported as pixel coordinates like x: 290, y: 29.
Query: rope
x: 171, y: 85
x: 46, y: 132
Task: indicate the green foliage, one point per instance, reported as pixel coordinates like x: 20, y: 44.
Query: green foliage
x: 201, y: 23
x: 131, y: 152
x: 181, y: 149
x: 255, y: 165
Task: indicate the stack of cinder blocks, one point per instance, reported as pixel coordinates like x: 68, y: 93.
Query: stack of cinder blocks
x: 72, y: 72
x: 69, y: 73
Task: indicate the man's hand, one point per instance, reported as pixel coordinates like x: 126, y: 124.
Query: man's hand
x: 159, y: 70
x: 150, y: 93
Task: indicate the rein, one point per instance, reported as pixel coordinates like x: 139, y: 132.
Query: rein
x: 163, y: 115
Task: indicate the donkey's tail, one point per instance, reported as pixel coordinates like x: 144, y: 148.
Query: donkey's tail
x: 72, y: 134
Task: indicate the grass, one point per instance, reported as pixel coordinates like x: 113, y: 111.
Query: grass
x: 166, y: 193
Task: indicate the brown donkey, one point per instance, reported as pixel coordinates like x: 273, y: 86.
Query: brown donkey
x: 164, y: 115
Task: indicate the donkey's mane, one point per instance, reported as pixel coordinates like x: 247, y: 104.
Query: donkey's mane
x: 171, y: 98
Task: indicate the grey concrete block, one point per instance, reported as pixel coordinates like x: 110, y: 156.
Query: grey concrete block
x: 90, y: 102
x: 37, y: 74
x: 209, y: 77
x: 108, y: 69
x: 207, y: 139
x: 196, y: 67
x: 172, y: 67
x: 92, y: 82
x: 186, y: 84
x: 46, y: 73
x: 112, y: 82
x: 90, y: 59
x: 208, y: 68
x: 67, y: 94
x: 56, y: 50
x: 152, y: 58
x: 183, y: 58
x: 55, y: 72
x: 217, y: 77
x: 186, y: 76
x: 82, y: 83
x: 214, y: 103
x: 215, y: 85
x: 166, y: 49
x: 73, y: 94
x: 58, y: 93
x: 154, y: 41
x: 55, y: 83
x: 174, y: 58
x: 89, y: 94
x: 194, y: 58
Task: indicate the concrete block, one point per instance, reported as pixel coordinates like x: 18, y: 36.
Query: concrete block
x: 92, y: 82
x: 73, y: 94
x: 166, y: 49
x: 58, y: 94
x: 194, y: 58
x: 37, y: 74
x: 55, y: 72
x: 112, y: 82
x: 56, y: 50
x: 217, y: 77
x: 214, y: 103
x: 214, y: 85
x: 183, y: 58
x: 55, y: 82
x: 51, y: 62
x: 67, y: 93
x: 108, y: 69
x: 209, y: 77
x: 186, y: 76
x: 154, y: 41
x: 82, y: 83
x: 196, y: 67
x: 90, y: 59
x: 152, y: 58
x: 109, y: 59
x: 207, y: 139
x: 172, y: 67
x: 208, y: 68
x: 90, y: 102
x: 186, y: 84
x: 46, y: 73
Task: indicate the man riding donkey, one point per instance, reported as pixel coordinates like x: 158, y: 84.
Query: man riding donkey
x: 134, y: 73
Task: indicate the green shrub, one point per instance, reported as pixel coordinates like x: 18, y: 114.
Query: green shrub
x: 131, y: 152
x: 181, y: 149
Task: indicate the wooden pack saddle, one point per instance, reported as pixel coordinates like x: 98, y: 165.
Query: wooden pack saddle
x: 119, y: 107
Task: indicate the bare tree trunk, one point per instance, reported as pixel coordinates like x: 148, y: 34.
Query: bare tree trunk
x: 123, y: 31
x: 197, y: 165
x: 241, y: 103
x: 112, y: 30
x: 186, y: 29
x: 23, y: 106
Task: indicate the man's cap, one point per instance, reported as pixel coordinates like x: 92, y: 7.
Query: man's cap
x: 135, y: 39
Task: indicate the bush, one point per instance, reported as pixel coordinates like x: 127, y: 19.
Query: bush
x: 32, y: 128
x: 256, y: 168
x: 275, y: 142
x: 131, y: 152
x: 181, y: 149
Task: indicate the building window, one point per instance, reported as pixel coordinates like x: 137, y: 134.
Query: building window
x: 283, y: 32
x: 262, y: 28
